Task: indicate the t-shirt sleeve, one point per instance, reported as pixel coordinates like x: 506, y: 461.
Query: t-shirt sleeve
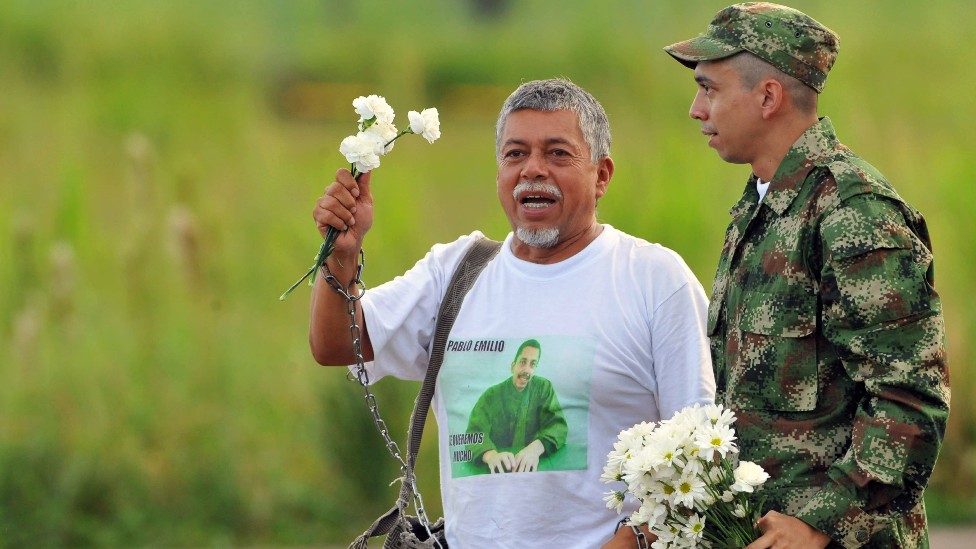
x: 401, y: 314
x: 682, y: 364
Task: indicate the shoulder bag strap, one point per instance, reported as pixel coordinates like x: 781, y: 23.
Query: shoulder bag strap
x: 481, y: 252
x: 474, y: 261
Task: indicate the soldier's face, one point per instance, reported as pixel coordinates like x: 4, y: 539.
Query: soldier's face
x: 729, y: 114
x: 524, y: 367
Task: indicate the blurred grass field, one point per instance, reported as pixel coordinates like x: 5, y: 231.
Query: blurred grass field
x: 159, y: 161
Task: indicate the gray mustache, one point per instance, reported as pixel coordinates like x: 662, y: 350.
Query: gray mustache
x: 535, y: 186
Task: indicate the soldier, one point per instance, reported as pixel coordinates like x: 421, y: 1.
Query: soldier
x: 827, y: 335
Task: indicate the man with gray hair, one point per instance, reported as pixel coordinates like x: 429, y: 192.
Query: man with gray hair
x: 622, y: 321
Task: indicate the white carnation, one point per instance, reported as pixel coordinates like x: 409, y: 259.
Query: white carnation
x: 363, y: 149
x: 748, y: 476
x: 425, y: 123
x: 385, y: 132
x: 373, y: 106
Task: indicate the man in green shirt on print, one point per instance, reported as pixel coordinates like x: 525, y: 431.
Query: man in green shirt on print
x: 520, y: 418
x: 826, y: 332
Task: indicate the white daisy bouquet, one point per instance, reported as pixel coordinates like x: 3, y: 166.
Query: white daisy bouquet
x: 685, y: 474
x: 363, y: 151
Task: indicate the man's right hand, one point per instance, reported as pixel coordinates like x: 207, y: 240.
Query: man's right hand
x: 499, y: 462
x: 346, y: 204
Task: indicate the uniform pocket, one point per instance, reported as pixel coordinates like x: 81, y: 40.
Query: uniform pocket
x: 776, y: 366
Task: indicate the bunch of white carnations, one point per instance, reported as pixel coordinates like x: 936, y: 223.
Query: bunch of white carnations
x: 377, y: 132
x: 685, y: 475
x: 363, y: 151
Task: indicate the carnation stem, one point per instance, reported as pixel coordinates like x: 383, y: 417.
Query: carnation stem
x: 328, y: 245
x: 325, y: 250
x: 398, y: 136
x: 332, y: 233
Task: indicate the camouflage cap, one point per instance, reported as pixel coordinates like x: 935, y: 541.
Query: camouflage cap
x: 788, y: 39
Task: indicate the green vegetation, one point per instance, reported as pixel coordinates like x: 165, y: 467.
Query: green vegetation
x: 158, y: 163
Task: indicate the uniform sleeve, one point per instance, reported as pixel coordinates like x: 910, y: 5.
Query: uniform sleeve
x: 882, y: 315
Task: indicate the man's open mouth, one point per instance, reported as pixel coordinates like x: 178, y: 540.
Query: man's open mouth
x: 536, y: 195
x: 536, y: 201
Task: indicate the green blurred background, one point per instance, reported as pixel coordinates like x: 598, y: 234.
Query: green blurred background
x: 159, y: 161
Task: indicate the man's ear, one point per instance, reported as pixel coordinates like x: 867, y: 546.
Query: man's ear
x: 604, y: 172
x: 772, y: 97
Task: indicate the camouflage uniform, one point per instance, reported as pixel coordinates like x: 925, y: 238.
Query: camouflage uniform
x: 827, y: 334
x: 827, y: 341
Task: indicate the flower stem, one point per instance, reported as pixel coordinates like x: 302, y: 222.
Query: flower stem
x: 398, y: 136
x: 325, y: 250
x: 327, y: 247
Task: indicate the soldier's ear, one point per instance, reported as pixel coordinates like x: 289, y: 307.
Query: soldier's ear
x: 771, y: 96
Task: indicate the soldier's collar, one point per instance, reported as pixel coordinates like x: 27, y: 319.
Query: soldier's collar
x: 813, y: 148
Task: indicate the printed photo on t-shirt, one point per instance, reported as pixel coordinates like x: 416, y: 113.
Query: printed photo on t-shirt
x: 517, y: 405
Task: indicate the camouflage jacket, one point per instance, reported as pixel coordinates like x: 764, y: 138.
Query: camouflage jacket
x: 828, y: 343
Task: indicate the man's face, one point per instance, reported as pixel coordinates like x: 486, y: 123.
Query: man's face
x: 546, y: 152
x: 729, y: 114
x: 524, y: 367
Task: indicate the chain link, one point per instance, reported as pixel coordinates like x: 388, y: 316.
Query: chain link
x: 409, y: 477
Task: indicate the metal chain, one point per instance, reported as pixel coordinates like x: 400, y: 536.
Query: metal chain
x: 642, y: 541
x: 409, y: 476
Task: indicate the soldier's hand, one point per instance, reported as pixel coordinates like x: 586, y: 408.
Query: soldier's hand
x: 785, y: 532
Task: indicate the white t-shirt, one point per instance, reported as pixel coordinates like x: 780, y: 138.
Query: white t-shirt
x: 761, y: 188
x: 621, y: 326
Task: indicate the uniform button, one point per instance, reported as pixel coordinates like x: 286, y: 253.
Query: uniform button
x: 861, y: 535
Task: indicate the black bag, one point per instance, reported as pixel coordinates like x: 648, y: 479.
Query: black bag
x: 405, y: 531
x: 409, y: 533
